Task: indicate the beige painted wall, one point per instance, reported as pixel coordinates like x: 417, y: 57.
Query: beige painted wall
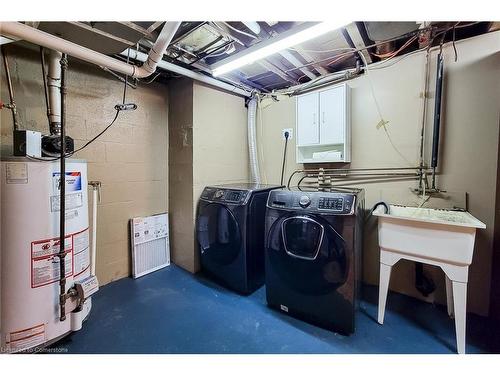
x: 130, y: 159
x: 180, y: 171
x: 208, y: 146
x: 469, y: 147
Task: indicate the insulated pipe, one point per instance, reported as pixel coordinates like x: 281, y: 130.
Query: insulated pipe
x: 252, y: 142
x: 54, y: 88
x: 140, y: 56
x: 41, y: 38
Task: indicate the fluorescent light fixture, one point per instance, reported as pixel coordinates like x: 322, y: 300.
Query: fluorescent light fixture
x: 271, y: 46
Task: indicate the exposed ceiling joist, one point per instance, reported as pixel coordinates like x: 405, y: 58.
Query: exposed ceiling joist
x: 309, y: 59
x: 266, y: 64
x: 353, y: 32
x: 135, y: 27
x: 103, y: 33
x: 295, y: 62
x: 154, y: 26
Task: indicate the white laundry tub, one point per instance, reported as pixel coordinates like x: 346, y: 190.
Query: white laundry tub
x: 438, y: 237
x: 436, y: 234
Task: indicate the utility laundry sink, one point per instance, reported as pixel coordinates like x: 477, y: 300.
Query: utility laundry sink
x: 442, y: 238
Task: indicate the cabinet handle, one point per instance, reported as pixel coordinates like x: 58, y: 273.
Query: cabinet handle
x: 314, y: 118
x: 323, y: 117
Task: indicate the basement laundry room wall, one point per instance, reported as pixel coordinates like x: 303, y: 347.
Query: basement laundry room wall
x: 208, y: 146
x: 468, y: 153
x: 130, y: 159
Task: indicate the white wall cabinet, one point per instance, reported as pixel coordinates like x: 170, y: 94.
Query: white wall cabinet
x: 323, y: 126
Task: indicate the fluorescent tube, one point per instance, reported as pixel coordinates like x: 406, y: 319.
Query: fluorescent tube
x: 274, y: 45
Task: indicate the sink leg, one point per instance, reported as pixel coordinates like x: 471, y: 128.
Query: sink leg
x: 449, y: 296
x: 385, y: 276
x: 460, y: 308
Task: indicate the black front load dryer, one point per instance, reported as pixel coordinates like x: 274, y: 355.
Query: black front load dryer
x: 313, y: 255
x: 230, y: 227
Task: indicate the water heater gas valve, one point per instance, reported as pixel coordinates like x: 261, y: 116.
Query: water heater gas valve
x: 86, y: 287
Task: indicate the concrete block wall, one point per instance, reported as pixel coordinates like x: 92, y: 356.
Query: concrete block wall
x: 130, y: 159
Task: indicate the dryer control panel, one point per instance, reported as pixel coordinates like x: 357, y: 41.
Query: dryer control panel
x: 231, y: 196
x: 338, y: 203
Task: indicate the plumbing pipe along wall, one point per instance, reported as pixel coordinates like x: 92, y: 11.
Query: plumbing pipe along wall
x: 41, y: 38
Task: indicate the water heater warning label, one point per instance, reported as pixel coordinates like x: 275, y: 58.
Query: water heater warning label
x: 26, y: 338
x: 45, y: 262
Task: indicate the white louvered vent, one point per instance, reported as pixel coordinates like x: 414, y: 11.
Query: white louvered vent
x: 150, y: 245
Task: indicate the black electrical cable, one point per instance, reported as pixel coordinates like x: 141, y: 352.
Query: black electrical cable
x: 284, y: 158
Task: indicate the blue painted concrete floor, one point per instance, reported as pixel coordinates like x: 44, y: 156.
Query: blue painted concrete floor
x: 173, y: 311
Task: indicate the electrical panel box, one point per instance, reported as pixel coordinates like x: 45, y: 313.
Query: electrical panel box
x: 324, y: 125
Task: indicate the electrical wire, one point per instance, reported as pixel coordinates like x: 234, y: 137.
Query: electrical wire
x: 394, y: 53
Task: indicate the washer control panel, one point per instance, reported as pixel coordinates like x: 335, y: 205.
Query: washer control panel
x: 224, y: 195
x: 335, y: 204
x: 313, y: 201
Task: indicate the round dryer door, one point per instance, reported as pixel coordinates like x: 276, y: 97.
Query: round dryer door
x: 218, y: 234
x: 307, y: 254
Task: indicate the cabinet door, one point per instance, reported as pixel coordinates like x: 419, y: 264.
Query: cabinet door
x: 307, y: 119
x: 332, y: 107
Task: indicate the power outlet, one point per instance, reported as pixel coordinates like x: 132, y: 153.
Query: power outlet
x: 290, y: 133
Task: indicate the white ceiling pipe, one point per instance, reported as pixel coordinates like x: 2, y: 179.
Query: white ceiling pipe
x: 140, y: 56
x: 41, y: 38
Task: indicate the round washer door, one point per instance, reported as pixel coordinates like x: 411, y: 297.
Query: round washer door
x: 218, y: 234
x: 307, y: 254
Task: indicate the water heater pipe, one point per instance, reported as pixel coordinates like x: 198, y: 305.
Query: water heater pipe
x: 252, y: 142
x: 41, y: 38
x: 54, y: 91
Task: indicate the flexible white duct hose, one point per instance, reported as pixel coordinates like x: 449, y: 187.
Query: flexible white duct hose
x: 252, y: 141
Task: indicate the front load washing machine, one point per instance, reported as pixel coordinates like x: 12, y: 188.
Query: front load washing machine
x: 313, y: 255
x: 230, y: 232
